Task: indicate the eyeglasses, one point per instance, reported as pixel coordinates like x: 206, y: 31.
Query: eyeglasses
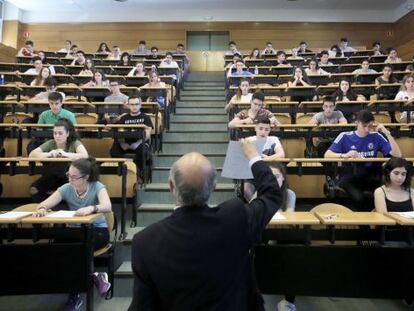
x: 113, y: 84
x: 73, y: 177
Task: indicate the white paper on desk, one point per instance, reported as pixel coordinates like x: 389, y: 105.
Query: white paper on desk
x: 278, y: 216
x: 236, y: 165
x: 406, y: 214
x: 61, y: 214
x: 13, y: 215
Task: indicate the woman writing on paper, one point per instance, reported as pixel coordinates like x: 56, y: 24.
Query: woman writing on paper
x: 85, y: 195
x: 396, y: 195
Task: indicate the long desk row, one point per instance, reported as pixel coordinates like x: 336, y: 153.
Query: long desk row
x: 60, y: 59
x: 283, y: 75
x: 160, y: 116
x: 337, y: 255
x: 266, y: 69
x: 311, y: 107
x: 108, y: 166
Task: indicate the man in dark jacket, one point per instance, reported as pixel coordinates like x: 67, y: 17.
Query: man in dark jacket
x: 199, y: 258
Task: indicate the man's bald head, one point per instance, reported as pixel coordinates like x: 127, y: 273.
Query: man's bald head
x: 192, y: 179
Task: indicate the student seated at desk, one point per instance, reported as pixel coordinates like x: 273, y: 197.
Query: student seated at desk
x: 168, y: 62
x: 364, y: 68
x: 27, y: 50
x: 243, y: 95
x: 125, y: 60
x: 254, y: 54
x: 363, y: 143
x: 281, y: 59
x: 344, y: 45
x: 73, y: 50
x: 232, y: 64
x: 37, y: 66
x: 314, y: 69
x: 116, y: 96
x: 51, y: 86
x: 335, y: 51
x: 41, y: 77
x: 240, y: 71
x: 345, y: 93
x: 142, y: 48
x: 153, y: 54
x: 299, y: 78
x: 303, y: 48
x: 138, y: 70
x: 288, y: 195
x: 288, y: 204
x: 115, y: 54
x: 324, y: 59
x: 328, y: 116
x: 269, y: 50
x: 56, y: 111
x: 232, y: 49
x: 406, y: 93
x: 254, y: 113
x: 376, y: 49
x: 387, y: 77
x: 295, y: 54
x: 392, y: 57
x: 88, y: 69
x: 138, y: 145
x: 103, y: 49
x: 154, y: 80
x: 180, y: 51
x: 65, y: 144
x: 396, y: 194
x: 98, y: 80
x: 66, y: 48
x: 79, y: 59
x: 85, y: 195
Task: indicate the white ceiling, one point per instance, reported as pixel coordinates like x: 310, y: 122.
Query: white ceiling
x: 196, y: 10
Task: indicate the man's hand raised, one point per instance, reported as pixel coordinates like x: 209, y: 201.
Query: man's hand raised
x: 248, y: 148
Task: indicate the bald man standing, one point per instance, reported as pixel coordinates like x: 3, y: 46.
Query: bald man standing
x: 199, y: 257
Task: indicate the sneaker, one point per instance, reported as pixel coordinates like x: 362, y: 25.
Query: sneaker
x: 74, y: 303
x: 100, y: 280
x: 285, y: 305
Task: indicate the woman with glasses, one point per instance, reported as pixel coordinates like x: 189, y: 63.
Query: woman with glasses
x: 84, y: 194
x: 65, y: 144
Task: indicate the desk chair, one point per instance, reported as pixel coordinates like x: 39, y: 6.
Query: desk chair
x: 104, y: 257
x: 330, y: 208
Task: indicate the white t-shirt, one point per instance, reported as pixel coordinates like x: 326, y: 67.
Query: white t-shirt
x: 272, y: 142
x: 403, y: 95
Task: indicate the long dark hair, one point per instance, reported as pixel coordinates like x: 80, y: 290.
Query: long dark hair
x: 284, y: 187
x: 69, y: 128
x: 87, y: 166
x: 339, y: 95
x: 100, y: 48
x: 393, y: 163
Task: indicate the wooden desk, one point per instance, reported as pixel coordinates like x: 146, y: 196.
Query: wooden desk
x: 403, y: 221
x: 61, y: 220
x: 355, y: 218
x: 294, y: 218
x: 63, y: 266
x: 14, y: 220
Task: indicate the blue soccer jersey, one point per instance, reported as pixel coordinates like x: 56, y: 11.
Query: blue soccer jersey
x: 367, y: 147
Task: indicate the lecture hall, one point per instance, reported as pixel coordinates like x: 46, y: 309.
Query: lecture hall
x: 206, y: 155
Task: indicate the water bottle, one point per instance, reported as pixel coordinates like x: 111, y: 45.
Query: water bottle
x: 1, y: 79
x: 256, y: 70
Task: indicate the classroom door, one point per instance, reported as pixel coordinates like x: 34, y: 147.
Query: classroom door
x: 206, y: 49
